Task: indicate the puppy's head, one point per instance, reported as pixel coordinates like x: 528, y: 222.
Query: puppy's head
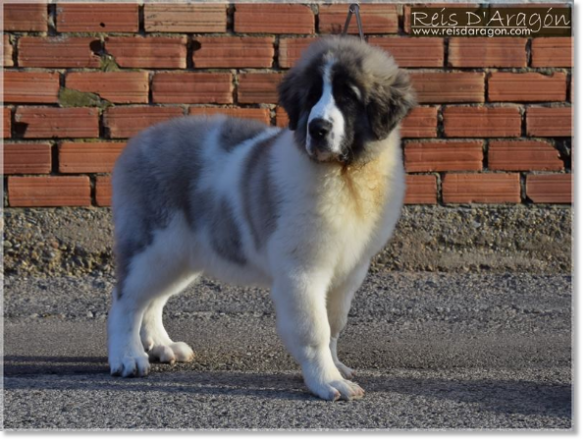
x: 341, y: 96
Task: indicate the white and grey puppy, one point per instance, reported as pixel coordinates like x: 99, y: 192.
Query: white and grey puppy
x: 301, y: 211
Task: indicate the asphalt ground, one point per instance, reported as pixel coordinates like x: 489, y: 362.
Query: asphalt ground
x: 432, y: 350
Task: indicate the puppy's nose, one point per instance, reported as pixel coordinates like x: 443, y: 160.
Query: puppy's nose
x: 319, y: 128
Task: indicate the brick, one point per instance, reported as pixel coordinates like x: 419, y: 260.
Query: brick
x: 6, y: 124
x: 491, y: 188
x: 124, y: 122
x: 25, y: 17
x: 88, y: 157
x: 49, y: 191
x: 532, y: 86
x: 103, y: 191
x: 148, y: 52
x: 421, y: 122
x: 290, y: 50
x: 117, y: 87
x: 557, y: 188
x: 449, y: 87
x: 51, y: 122
x: 274, y: 19
x: 549, y: 121
x: 523, y: 155
x: 556, y: 52
x: 234, y: 52
x: 192, y: 88
x: 31, y: 87
x: 95, y: 17
x: 407, y: 10
x: 8, y: 51
x: 479, y: 52
x: 58, y: 52
x: 185, y: 18
x: 376, y: 19
x: 421, y: 189
x: 27, y: 158
x: 482, y: 121
x: 281, y: 117
x: 262, y: 115
x: 442, y: 156
x: 412, y: 52
x: 258, y: 88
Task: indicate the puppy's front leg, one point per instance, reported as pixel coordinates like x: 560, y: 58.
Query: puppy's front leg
x: 301, y: 317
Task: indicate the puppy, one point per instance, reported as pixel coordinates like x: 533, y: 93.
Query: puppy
x: 301, y: 211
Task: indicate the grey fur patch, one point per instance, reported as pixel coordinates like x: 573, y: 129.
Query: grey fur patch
x: 235, y: 131
x: 225, y: 235
x: 152, y: 181
x: 260, y: 200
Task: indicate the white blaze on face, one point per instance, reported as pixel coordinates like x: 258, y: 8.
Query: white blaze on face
x: 327, y: 109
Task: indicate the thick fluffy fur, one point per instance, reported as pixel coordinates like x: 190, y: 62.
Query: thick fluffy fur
x: 299, y: 211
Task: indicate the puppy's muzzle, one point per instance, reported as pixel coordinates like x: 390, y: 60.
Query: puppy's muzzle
x: 320, y: 140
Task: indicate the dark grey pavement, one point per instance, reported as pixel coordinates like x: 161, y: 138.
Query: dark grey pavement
x: 432, y: 351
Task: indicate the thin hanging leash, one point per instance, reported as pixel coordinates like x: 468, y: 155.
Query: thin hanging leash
x: 354, y: 9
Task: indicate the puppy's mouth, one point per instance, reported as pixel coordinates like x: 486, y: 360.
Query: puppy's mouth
x: 324, y: 155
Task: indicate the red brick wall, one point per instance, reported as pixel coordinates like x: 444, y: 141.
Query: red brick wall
x: 494, y: 122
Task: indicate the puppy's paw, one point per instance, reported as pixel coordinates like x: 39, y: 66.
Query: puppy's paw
x: 346, y: 372
x: 130, y: 365
x: 340, y: 389
x: 169, y: 354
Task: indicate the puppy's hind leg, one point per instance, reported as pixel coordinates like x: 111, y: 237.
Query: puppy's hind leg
x: 338, y: 304
x: 153, y: 275
x: 155, y: 338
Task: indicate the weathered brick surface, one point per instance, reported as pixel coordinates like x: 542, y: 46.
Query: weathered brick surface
x: 31, y: 87
x: 442, y: 156
x: 8, y: 51
x: 153, y: 61
x: 449, y: 87
x: 274, y: 19
x: 58, y: 52
x: 421, y: 189
x: 526, y: 87
x: 262, y: 115
x: 25, y: 17
x: 53, y: 122
x: 464, y: 188
x: 97, y: 17
x: 552, y: 52
x: 557, y: 188
x: 103, y: 191
x: 49, y: 191
x: 478, y: 52
x: 258, y: 88
x: 185, y: 18
x: 234, y: 52
x: 523, y: 155
x: 549, y: 121
x: 148, y: 52
x: 6, y: 124
x: 117, y: 87
x: 125, y: 122
x: 281, y: 117
x: 192, y: 88
x: 420, y: 123
x: 83, y: 157
x: 376, y: 19
x: 290, y: 50
x: 412, y: 52
x: 27, y: 158
x: 474, y: 122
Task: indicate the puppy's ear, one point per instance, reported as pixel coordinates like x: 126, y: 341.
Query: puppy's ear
x: 290, y: 97
x: 389, y: 103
